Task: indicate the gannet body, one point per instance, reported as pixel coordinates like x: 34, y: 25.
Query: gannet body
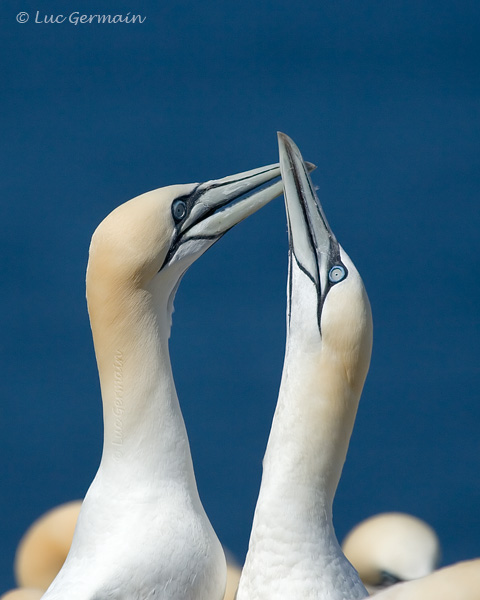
x: 389, y: 548
x: 44, y: 547
x: 142, y: 533
x: 293, y: 552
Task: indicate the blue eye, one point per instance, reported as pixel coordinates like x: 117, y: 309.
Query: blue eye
x: 336, y: 274
x: 179, y: 210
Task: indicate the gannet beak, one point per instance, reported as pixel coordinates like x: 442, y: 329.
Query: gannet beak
x: 312, y: 243
x: 210, y: 211
x: 205, y: 218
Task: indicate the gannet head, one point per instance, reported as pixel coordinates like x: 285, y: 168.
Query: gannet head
x: 328, y: 305
x: 392, y: 547
x: 172, y: 226
x: 151, y: 240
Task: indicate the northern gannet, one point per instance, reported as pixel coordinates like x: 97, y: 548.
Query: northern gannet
x: 389, y: 548
x: 142, y: 533
x: 293, y: 552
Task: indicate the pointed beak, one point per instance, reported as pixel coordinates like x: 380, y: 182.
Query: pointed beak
x: 213, y: 212
x: 313, y: 246
x: 312, y: 242
x: 216, y: 206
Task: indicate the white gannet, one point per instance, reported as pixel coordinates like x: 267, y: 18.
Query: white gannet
x: 44, y: 547
x: 142, y: 533
x: 293, y: 552
x: 389, y: 548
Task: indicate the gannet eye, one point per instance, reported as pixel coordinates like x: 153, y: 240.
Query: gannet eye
x: 179, y: 210
x: 336, y: 274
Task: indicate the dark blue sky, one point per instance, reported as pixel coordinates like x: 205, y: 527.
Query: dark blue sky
x: 385, y: 99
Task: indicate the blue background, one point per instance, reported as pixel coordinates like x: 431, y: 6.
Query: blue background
x: 384, y: 98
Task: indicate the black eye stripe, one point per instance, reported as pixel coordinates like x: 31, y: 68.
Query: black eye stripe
x: 189, y: 200
x: 186, y: 203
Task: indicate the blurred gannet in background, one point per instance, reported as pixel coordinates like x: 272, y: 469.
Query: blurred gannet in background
x: 293, y: 552
x: 389, y: 548
x: 23, y: 594
x: 233, y: 577
x: 142, y: 532
x: 460, y: 581
x: 44, y: 548
x: 45, y: 545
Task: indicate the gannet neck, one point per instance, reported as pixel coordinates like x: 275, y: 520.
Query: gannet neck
x: 144, y: 432
x: 320, y: 389
x: 293, y: 550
